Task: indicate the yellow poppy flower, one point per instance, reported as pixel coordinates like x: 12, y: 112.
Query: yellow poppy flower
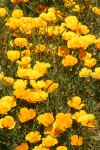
x: 90, y: 62
x: 17, y: 13
x: 52, y: 130
x: 75, y: 102
x: 21, y: 42
x: 63, y: 121
x: 76, y: 115
x: 37, y: 85
x: 7, y: 122
x: 87, y: 120
x: 13, y: 55
x: 69, y: 60
x: 85, y: 72
x: 50, y: 85
x: 6, y: 103
x: 26, y: 114
x: 19, y: 83
x: 96, y: 10
x: 49, y: 141
x: 83, y: 55
x: 97, y: 44
x: 40, y: 147
x: 96, y: 74
x: 71, y: 22
x: 61, y: 148
x: 45, y: 119
x: 23, y: 146
x: 16, y: 1
x: 3, y: 11
x: 63, y: 50
x: 76, y: 141
x: 8, y: 80
x: 33, y: 137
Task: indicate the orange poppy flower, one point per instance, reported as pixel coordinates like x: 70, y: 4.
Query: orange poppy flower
x: 52, y: 130
x: 63, y: 121
x: 33, y: 137
x: 63, y: 51
x: 87, y: 120
x: 7, y: 122
x: 50, y: 85
x: 75, y: 102
x: 26, y: 115
x: 61, y: 148
x: 69, y: 60
x: 45, y: 119
x: 23, y: 146
x: 49, y: 141
x: 76, y: 141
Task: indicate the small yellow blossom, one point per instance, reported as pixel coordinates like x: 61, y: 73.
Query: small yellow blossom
x: 13, y: 23
x: 77, y: 8
x: 61, y: 148
x: 58, y: 30
x: 69, y: 60
x: 7, y: 122
x: 97, y: 44
x: 76, y: 141
x: 45, y: 119
x: 40, y: 147
x: 33, y: 137
x: 87, y: 120
x: 19, y: 93
x: 63, y: 51
x: 24, y: 61
x: 68, y: 35
x: 82, y: 29
x: 26, y: 114
x: 35, y: 96
x: 25, y: 1
x: 51, y: 86
x: 4, y: 107
x: 83, y: 55
x: 63, y: 121
x: 90, y: 62
x: 37, y: 85
x: 23, y: 146
x: 6, y: 103
x: 81, y: 42
x: 76, y: 115
x: 48, y: 17
x: 96, y: 74
x: 41, y: 67
x: 25, y: 53
x: 3, y: 11
x: 8, y: 80
x: 96, y: 10
x: 17, y: 13
x: 71, y: 22
x: 21, y: 42
x: 40, y: 48
x: 75, y: 102
x: 13, y: 55
x: 49, y: 141
x: 16, y: 1
x: 19, y: 83
x: 85, y: 72
x: 53, y: 130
